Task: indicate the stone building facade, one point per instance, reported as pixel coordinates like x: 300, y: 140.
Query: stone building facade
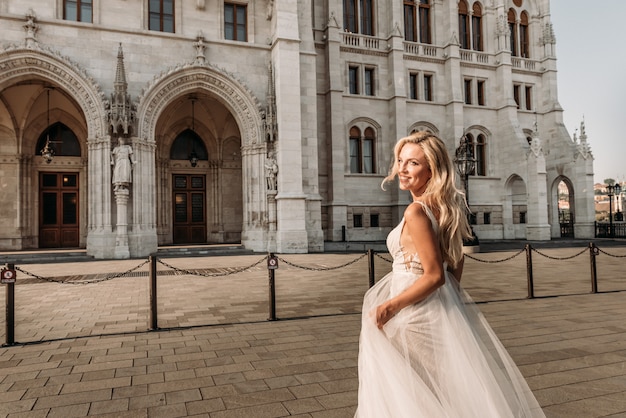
x: 129, y: 124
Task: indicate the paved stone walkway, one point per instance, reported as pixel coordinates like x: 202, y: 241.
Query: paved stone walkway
x: 85, y: 349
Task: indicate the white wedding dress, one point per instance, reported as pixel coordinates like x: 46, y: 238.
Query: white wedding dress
x: 436, y: 358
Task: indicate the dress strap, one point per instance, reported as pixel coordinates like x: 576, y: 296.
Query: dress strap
x: 429, y: 213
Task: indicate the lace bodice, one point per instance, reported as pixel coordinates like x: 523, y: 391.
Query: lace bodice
x: 402, y: 261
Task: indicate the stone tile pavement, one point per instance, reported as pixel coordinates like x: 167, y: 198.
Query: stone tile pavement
x: 85, y: 349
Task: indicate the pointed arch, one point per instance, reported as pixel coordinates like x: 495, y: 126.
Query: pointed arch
x: 230, y: 92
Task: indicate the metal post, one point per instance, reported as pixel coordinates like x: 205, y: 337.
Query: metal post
x: 10, y: 310
x: 529, y: 271
x: 370, y: 258
x: 593, y: 251
x: 611, y: 215
x: 153, y: 293
x: 272, y: 292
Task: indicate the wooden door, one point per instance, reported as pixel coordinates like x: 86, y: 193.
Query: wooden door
x: 189, y: 209
x: 58, y: 210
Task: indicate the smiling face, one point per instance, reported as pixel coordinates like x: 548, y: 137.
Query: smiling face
x: 413, y: 170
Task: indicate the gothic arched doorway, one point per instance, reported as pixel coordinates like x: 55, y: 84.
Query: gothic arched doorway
x: 200, y: 170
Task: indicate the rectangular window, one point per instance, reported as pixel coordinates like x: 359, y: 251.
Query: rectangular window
x: 524, y: 44
x: 424, y: 22
x: 529, y: 97
x: 369, y: 81
x: 235, y: 22
x: 357, y: 221
x: 349, y: 16
x: 374, y: 220
x: 413, y: 86
x: 428, y: 87
x: 161, y: 15
x: 410, y: 29
x: 513, y: 39
x: 468, y: 91
x: 480, y: 90
x: 78, y: 10
x: 367, y: 18
x: 516, y: 93
x: 522, y: 217
x: 487, y: 218
x: 353, y: 79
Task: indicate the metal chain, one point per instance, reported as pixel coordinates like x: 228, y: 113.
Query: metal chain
x: 97, y: 280
x: 495, y: 261
x: 611, y: 255
x: 559, y: 258
x: 383, y: 258
x: 321, y: 268
x: 198, y: 273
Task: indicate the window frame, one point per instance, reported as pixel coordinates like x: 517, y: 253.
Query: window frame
x: 424, y: 22
x: 427, y: 87
x: 358, y: 161
x: 414, y: 85
x: 369, y: 81
x: 467, y: 91
x: 354, y: 83
x: 410, y: 21
x: 464, y: 25
x: 235, y: 24
x: 477, y: 27
x: 79, y: 10
x: 480, y: 92
x: 161, y: 13
x: 359, y: 17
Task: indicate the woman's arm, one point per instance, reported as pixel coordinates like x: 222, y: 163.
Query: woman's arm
x: 421, y: 234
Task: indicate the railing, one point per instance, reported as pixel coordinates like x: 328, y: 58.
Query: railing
x: 603, y: 230
x: 415, y: 48
x: 290, y: 296
x: 361, y: 41
x: 524, y: 63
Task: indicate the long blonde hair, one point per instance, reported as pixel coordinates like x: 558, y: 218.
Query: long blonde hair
x: 441, y: 194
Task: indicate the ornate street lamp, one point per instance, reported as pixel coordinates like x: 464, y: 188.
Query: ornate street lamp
x: 193, y: 156
x: 47, y: 151
x: 613, y: 190
x: 466, y: 164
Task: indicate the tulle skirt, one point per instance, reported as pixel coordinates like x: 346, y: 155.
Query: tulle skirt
x: 437, y: 358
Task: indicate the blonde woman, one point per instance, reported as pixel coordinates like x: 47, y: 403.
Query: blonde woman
x: 425, y: 349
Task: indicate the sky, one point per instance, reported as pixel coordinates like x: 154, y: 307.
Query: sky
x: 591, y: 77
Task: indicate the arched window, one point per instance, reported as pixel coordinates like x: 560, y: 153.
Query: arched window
x: 61, y: 140
x: 481, y: 169
x: 477, y: 27
x: 358, y: 16
x: 362, y: 150
x: 187, y: 143
x: 523, y: 36
x: 512, y: 31
x: 478, y: 150
x: 464, y: 25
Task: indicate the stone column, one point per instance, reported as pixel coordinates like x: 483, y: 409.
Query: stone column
x: 121, y: 237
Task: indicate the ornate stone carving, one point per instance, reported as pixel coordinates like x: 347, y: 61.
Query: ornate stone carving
x: 31, y: 29
x: 184, y: 77
x: 200, y: 47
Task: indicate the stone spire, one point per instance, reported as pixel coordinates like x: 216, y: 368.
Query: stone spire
x: 271, y: 124
x: 121, y: 113
x: 583, y: 148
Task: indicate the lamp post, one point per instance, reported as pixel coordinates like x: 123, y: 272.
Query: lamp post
x: 465, y: 164
x: 613, y: 190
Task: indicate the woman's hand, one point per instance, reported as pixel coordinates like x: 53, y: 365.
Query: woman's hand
x: 384, y: 313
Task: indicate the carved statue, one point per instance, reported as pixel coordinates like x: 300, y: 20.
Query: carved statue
x: 271, y: 170
x: 122, y: 160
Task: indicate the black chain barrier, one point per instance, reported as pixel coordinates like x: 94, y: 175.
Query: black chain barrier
x: 560, y: 258
x: 611, y: 255
x: 321, y: 268
x: 82, y: 282
x: 199, y: 272
x: 495, y: 261
x: 272, y: 265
